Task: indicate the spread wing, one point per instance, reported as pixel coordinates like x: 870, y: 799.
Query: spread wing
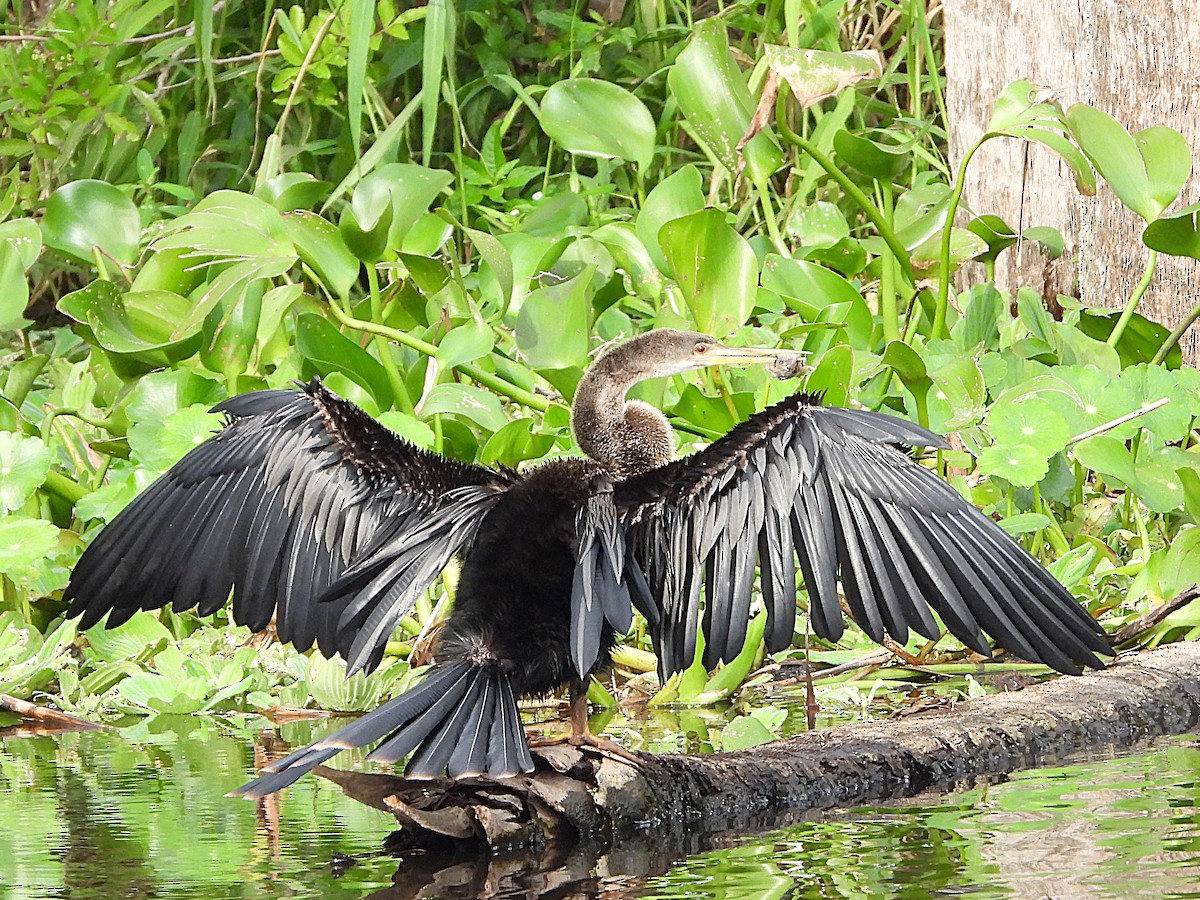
x: 836, y: 489
x: 305, y: 508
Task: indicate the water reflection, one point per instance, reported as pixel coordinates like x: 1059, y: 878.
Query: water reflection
x: 141, y: 813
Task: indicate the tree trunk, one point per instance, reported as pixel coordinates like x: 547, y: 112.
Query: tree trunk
x: 1137, y: 62
x: 572, y: 795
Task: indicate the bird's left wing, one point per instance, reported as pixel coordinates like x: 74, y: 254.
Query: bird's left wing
x: 837, y: 489
x: 305, y: 508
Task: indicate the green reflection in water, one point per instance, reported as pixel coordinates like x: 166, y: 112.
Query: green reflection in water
x: 140, y: 813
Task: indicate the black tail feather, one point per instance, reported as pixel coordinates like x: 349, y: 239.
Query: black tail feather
x: 462, y: 718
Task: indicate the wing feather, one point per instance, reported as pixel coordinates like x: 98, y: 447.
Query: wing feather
x: 286, y: 507
x: 837, y: 489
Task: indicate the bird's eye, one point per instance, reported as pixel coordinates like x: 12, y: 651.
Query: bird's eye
x: 702, y: 347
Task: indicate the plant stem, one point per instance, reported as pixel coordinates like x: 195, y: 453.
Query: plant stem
x: 487, y: 379
x: 62, y: 486
x: 943, y: 298
x: 870, y: 210
x: 887, y: 275
x: 1176, y: 333
x: 1134, y: 299
x: 399, y: 391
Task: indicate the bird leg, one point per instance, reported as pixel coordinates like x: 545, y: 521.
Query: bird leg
x: 581, y: 735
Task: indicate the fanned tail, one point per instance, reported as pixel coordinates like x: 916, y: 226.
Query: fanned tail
x: 462, y: 720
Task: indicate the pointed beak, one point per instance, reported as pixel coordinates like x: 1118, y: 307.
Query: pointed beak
x: 778, y: 360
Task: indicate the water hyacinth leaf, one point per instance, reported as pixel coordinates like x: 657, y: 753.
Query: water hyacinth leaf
x: 1168, y: 161
x: 1114, y: 153
x: 1181, y: 568
x: 1107, y: 456
x: 1028, y: 111
x: 1139, y: 342
x: 1029, y: 421
x: 327, y: 350
x: 831, y: 375
x: 715, y: 267
x: 14, y: 289
x: 819, y: 225
x: 956, y: 400
x: 964, y: 246
x: 814, y: 75
x: 819, y: 287
x: 24, y: 236
x: 599, y: 119
x: 365, y: 221
x: 1048, y: 238
x: 677, y: 195
x: 23, y: 542
x: 85, y: 215
x: 1025, y: 523
x: 632, y: 257
x: 908, y: 365
x: 1189, y: 478
x: 1021, y: 465
x: 24, y: 464
x: 986, y: 312
x: 142, y: 324
x: 465, y: 343
x: 514, y: 443
x: 408, y: 427
x: 466, y: 402
x: 743, y: 732
x: 711, y: 92
x: 1177, y: 234
x: 412, y: 189
x: 920, y: 215
x: 878, y: 160
x: 553, y: 324
x: 229, y: 226
x: 498, y: 261
x: 320, y: 246
x: 994, y: 232
x: 293, y: 191
x: 159, y: 394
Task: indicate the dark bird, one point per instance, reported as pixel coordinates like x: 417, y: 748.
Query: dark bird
x: 305, y: 508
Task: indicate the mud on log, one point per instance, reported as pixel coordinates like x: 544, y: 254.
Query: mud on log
x: 597, y: 798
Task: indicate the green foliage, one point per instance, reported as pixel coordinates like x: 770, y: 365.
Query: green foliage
x: 442, y: 211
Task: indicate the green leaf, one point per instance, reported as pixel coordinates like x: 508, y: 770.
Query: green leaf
x: 327, y: 350
x: 1019, y: 464
x: 293, y: 191
x: 818, y: 226
x: 14, y: 289
x: 957, y: 398
x: 715, y: 267
x: 598, y: 119
x: 1106, y: 455
x: 83, y: 215
x: 1138, y: 344
x: 819, y: 289
x: 1168, y: 161
x: 1148, y: 384
x: 831, y: 375
x: 995, y: 232
x: 465, y: 343
x: 1181, y: 568
x: 1048, y: 238
x: 496, y: 256
x: 711, y: 92
x: 883, y: 162
x: 159, y: 394
x: 410, y: 189
x: 24, y: 464
x: 743, y: 732
x: 467, y: 402
x: 514, y: 443
x: 675, y: 196
x: 1028, y: 421
x: 139, y: 322
x: 815, y: 75
x: 320, y: 246
x: 25, y: 238
x: 1024, y: 110
x: 1116, y: 157
x: 1177, y: 234
x: 127, y: 640
x: 553, y: 324
x: 158, y: 446
x: 1024, y: 523
x: 23, y: 542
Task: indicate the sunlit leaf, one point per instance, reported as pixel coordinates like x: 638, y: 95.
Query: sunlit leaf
x: 715, y: 268
x: 676, y: 195
x: 1019, y: 464
x: 24, y: 463
x: 1030, y: 421
x: 597, y: 118
x: 711, y: 91
x: 466, y: 402
x: 465, y: 343
x: 84, y: 215
x: 552, y: 325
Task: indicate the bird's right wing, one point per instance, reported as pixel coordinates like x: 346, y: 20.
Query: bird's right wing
x: 837, y: 489
x: 305, y: 508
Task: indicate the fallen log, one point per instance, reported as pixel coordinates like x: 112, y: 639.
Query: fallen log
x: 574, y: 795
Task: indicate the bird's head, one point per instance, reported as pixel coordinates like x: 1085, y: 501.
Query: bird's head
x: 665, y: 351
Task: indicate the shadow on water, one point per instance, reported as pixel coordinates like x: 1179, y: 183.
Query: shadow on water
x: 141, y: 813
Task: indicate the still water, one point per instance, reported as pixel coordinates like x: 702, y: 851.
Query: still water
x: 140, y: 812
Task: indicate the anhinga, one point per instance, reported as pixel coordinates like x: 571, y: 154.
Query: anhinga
x: 307, y: 509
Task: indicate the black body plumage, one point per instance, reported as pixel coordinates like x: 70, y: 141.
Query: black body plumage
x: 309, y: 510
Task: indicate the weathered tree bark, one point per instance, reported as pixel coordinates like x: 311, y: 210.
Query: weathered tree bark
x: 574, y: 796
x: 1137, y: 62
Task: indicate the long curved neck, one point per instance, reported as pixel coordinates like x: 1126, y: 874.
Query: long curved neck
x: 626, y: 436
